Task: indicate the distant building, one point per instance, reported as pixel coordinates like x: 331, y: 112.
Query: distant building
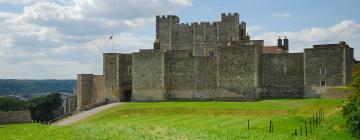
x: 215, y: 61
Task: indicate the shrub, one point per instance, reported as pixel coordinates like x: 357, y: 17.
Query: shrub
x: 45, y: 108
x: 8, y: 103
x: 352, y: 107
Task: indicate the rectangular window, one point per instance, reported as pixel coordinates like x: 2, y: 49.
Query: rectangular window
x: 129, y: 70
x: 322, y: 71
x: 322, y: 83
x: 211, y: 53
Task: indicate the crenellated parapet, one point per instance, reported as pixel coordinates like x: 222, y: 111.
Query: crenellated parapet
x: 230, y: 17
x: 173, y: 35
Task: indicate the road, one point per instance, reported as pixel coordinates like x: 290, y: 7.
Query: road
x: 83, y: 115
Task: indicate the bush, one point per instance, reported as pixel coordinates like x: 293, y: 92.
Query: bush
x: 45, y: 108
x: 352, y: 107
x: 8, y: 103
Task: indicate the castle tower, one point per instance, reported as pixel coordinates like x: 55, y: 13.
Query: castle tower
x: 85, y: 94
x: 229, y: 28
x: 326, y: 66
x: 165, y: 27
x: 117, y: 75
x: 230, y: 17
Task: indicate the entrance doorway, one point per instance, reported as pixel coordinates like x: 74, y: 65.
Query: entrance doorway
x: 127, y: 95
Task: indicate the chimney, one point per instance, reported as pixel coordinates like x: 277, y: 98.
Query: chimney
x: 279, y: 42
x: 286, y: 44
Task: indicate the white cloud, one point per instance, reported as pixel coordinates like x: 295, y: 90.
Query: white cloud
x: 347, y: 30
x: 252, y: 29
x: 281, y: 15
x: 127, y: 8
x: 60, y: 38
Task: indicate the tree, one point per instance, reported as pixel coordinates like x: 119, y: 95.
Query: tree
x: 352, y: 107
x: 8, y: 103
x: 45, y: 108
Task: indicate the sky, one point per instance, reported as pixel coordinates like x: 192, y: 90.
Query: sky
x: 57, y: 39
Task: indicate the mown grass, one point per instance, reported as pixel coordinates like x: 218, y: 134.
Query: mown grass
x: 195, y: 120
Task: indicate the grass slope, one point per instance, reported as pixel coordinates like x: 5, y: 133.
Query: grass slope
x: 194, y: 120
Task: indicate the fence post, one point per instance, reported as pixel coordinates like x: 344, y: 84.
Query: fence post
x: 305, y: 129
x: 300, y: 130
x: 313, y: 122
x: 270, y: 126
x: 310, y: 125
x: 248, y: 124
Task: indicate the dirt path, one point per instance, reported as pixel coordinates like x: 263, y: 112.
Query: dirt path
x: 84, y: 114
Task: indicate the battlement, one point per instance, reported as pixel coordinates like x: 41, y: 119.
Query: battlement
x: 187, y: 26
x: 167, y: 19
x: 230, y: 17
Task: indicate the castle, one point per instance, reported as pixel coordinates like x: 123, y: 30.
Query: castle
x: 215, y: 61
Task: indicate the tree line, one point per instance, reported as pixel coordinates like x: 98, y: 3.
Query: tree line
x: 42, y: 108
x: 20, y: 87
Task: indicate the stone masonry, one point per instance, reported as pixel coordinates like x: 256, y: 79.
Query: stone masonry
x: 215, y: 61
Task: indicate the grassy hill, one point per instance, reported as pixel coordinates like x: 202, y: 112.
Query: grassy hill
x: 195, y: 120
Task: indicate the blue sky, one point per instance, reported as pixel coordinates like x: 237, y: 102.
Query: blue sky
x: 56, y: 39
x: 303, y: 13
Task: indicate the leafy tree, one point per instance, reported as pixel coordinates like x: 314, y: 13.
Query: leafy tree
x: 45, y: 108
x: 8, y: 103
x: 352, y: 107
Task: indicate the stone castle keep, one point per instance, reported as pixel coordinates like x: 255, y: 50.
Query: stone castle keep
x: 215, y: 61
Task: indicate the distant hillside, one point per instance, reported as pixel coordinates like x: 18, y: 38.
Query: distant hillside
x: 20, y: 87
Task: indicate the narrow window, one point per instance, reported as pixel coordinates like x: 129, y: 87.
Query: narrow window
x: 322, y: 71
x: 322, y: 83
x: 129, y: 70
x: 229, y: 38
x: 211, y: 53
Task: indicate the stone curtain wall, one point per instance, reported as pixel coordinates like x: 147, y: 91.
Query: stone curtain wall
x: 282, y: 75
x: 22, y: 116
x: 239, y: 73
x: 98, y: 88
x: 148, y: 76
x: 191, y: 78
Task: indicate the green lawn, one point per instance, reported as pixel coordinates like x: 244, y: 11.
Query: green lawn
x: 195, y: 120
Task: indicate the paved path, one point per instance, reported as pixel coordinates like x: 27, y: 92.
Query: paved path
x: 84, y: 114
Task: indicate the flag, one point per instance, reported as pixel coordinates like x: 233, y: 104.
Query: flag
x: 111, y: 37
